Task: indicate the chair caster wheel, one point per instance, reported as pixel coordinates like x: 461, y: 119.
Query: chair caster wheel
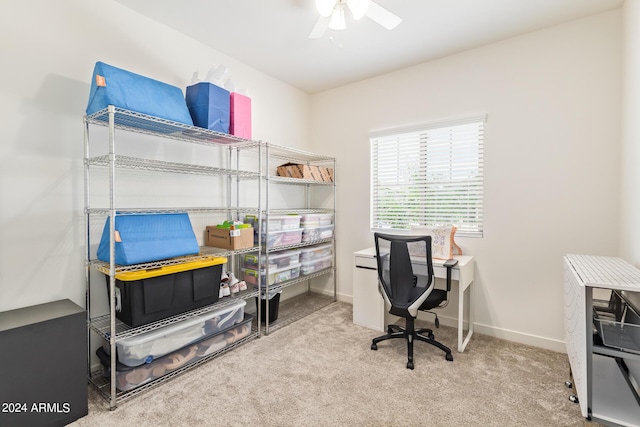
x: 573, y: 398
x: 374, y: 346
x: 569, y: 384
x: 409, y: 365
x: 449, y: 357
x: 437, y: 323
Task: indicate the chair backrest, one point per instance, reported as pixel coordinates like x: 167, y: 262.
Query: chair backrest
x: 395, y: 257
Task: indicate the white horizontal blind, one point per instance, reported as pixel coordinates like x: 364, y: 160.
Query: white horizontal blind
x: 430, y: 175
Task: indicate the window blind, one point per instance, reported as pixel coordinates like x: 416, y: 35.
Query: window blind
x: 428, y: 175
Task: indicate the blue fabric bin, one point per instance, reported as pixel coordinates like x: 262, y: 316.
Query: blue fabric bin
x: 149, y: 237
x: 130, y: 91
x: 210, y: 106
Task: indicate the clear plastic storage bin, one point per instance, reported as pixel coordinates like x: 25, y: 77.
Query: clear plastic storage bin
x: 144, y: 348
x: 283, y: 237
x: 128, y: 378
x: 276, y: 259
x: 316, y: 220
x: 316, y: 252
x: 282, y: 222
x: 309, y: 267
x: 317, y: 233
x: 276, y: 275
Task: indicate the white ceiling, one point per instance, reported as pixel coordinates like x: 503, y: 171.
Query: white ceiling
x: 271, y: 35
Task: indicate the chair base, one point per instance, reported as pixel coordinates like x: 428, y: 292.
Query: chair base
x: 410, y: 334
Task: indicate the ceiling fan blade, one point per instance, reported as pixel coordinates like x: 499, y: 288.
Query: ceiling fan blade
x: 319, y: 29
x: 382, y: 16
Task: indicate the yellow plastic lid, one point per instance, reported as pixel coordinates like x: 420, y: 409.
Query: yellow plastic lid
x: 129, y: 276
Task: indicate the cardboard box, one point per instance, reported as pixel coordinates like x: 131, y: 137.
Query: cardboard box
x: 222, y: 238
x: 296, y: 170
x: 326, y: 174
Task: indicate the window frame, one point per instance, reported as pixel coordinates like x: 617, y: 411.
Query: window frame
x: 431, y: 149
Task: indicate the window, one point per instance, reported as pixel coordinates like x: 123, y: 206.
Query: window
x: 428, y: 175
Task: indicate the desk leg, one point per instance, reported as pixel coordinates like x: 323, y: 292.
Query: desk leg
x: 463, y: 341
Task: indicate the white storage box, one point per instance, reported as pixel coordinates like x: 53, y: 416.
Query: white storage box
x: 283, y: 237
x: 276, y: 275
x: 309, y: 267
x: 282, y: 222
x: 316, y: 252
x: 144, y: 348
x: 317, y: 233
x: 276, y: 259
x: 316, y: 220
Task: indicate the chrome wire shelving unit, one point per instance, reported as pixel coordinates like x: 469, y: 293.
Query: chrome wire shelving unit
x: 108, y: 327
x: 310, y: 301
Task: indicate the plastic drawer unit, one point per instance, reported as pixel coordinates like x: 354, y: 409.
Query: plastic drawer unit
x: 309, y: 267
x: 276, y: 275
x: 283, y: 237
x: 128, y: 378
x: 146, y: 296
x: 316, y: 252
x: 145, y: 348
x: 276, y: 259
x: 317, y: 233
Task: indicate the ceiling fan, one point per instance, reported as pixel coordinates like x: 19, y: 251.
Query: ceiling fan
x: 332, y: 15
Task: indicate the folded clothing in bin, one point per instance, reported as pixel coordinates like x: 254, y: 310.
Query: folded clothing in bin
x: 130, y: 91
x: 145, y: 296
x: 149, y: 237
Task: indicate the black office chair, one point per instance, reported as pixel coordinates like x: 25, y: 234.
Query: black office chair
x: 405, y: 293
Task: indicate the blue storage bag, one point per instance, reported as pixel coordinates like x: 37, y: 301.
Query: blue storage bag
x: 149, y: 237
x: 210, y: 106
x: 130, y: 91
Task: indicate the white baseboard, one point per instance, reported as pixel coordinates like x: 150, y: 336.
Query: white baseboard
x: 501, y: 333
x: 340, y: 297
x: 522, y: 338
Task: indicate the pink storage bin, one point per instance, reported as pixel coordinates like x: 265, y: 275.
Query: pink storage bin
x: 240, y: 120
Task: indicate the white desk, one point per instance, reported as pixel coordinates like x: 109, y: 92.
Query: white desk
x: 368, y: 304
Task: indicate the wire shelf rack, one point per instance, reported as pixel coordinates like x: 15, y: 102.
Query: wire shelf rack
x: 149, y: 125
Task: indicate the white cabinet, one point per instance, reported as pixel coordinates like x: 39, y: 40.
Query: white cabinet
x: 601, y: 337
x: 368, y: 304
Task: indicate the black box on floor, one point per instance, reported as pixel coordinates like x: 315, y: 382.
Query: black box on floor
x: 146, y: 296
x: 274, y: 304
x: 38, y: 388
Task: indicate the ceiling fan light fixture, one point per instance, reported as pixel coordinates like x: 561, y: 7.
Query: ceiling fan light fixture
x: 358, y: 8
x: 337, y: 21
x: 325, y: 7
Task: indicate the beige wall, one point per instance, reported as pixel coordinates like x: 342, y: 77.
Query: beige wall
x: 630, y: 151
x: 552, y: 153
x: 551, y: 161
x: 48, y: 51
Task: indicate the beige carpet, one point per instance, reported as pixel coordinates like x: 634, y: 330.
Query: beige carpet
x: 320, y: 371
